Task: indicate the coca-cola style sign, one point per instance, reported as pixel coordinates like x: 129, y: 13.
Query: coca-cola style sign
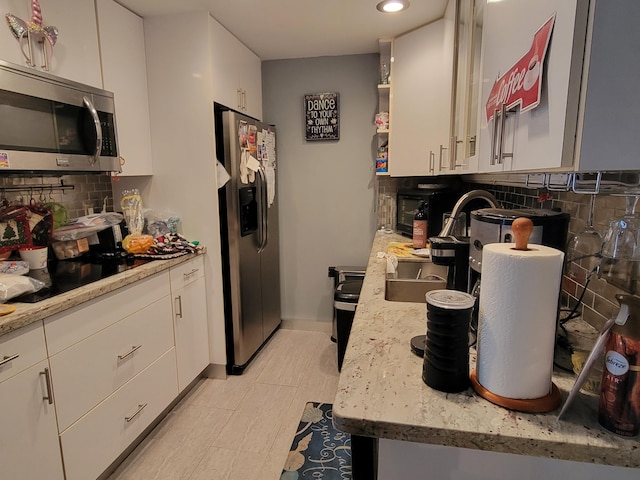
x: 522, y: 83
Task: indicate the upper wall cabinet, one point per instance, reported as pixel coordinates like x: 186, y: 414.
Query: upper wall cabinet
x: 125, y: 74
x: 237, y: 73
x: 421, y: 101
x: 467, y: 48
x: 76, y: 55
x: 587, y: 115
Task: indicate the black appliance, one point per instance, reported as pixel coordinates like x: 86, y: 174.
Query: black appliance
x: 438, y: 199
x: 62, y: 276
x: 453, y: 252
x: 493, y: 225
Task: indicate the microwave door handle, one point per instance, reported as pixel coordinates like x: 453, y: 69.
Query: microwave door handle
x: 96, y: 122
x: 264, y: 217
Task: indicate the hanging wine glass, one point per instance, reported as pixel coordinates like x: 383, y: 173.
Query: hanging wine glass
x: 584, y: 248
x: 620, y: 241
x: 621, y: 249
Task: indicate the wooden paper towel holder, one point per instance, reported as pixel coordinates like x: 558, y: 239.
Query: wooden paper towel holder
x: 522, y: 228
x: 529, y: 405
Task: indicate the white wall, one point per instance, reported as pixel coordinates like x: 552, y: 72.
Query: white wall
x: 326, y: 188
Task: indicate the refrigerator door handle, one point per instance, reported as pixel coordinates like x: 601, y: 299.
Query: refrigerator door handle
x: 264, y: 217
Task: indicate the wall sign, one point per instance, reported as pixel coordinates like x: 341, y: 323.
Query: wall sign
x: 322, y: 116
x: 522, y: 83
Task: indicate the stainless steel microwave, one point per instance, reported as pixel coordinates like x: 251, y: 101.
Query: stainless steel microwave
x: 53, y: 125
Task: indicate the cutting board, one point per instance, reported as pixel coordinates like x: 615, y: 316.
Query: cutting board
x: 401, y: 249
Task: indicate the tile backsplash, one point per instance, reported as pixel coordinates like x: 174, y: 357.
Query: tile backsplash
x: 598, y: 298
x: 89, y: 191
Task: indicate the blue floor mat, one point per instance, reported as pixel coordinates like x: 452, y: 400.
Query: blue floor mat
x: 318, y: 450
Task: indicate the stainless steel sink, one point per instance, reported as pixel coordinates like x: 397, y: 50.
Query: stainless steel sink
x: 412, y: 280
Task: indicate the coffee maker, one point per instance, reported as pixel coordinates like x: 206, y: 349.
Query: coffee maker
x: 493, y: 225
x: 452, y: 252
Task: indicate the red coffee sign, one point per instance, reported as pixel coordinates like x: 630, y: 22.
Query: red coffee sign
x: 522, y: 83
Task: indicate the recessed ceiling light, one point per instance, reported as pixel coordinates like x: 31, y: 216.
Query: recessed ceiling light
x: 392, y: 6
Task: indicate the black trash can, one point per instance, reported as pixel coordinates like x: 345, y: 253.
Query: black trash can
x: 345, y: 301
x: 342, y: 274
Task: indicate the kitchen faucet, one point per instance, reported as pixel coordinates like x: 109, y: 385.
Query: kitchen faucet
x: 460, y: 204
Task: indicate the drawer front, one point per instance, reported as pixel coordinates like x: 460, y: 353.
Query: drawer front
x: 90, y: 445
x: 187, y: 272
x: 91, y: 370
x: 21, y: 349
x: 70, y: 327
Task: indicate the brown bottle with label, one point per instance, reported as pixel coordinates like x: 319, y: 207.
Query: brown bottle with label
x: 619, y: 408
x: 420, y: 227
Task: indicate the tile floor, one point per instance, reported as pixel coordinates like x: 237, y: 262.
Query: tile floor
x: 240, y: 428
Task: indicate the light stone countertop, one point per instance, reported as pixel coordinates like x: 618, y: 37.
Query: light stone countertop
x: 27, y: 313
x: 381, y: 393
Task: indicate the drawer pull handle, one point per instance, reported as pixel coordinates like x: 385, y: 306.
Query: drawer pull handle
x: 178, y: 304
x: 133, y: 349
x: 8, y: 358
x: 47, y: 380
x: 187, y: 275
x: 137, y: 412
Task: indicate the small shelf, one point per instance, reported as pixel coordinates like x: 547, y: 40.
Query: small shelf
x: 383, y: 131
x: 384, y: 86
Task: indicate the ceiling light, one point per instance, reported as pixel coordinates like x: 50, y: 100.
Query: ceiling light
x: 392, y: 6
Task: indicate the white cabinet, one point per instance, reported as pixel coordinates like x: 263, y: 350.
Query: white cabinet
x: 76, y: 54
x: 542, y: 137
x: 89, y: 371
x: 188, y: 291
x: 468, y: 26
x: 125, y: 74
x: 421, y: 101
x: 29, y: 446
x: 589, y: 106
x: 113, y: 368
x: 92, y: 443
x: 237, y: 73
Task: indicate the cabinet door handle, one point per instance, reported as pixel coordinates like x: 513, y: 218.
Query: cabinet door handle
x: 244, y: 100
x: 141, y: 407
x: 186, y: 276
x: 503, y: 119
x: 432, y: 159
x: 178, y: 303
x: 130, y: 352
x: 47, y: 380
x: 239, y: 98
x: 8, y: 358
x: 442, y: 149
x: 494, y: 136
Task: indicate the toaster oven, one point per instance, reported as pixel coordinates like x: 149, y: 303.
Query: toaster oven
x: 437, y: 203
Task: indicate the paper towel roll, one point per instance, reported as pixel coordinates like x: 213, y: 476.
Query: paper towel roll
x: 517, y: 319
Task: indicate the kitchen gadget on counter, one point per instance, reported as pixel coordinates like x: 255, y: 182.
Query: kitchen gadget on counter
x: 517, y: 323
x: 446, y: 351
x: 438, y: 199
x: 453, y: 252
x: 494, y: 225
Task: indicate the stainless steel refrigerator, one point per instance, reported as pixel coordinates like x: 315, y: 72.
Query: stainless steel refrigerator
x: 249, y: 234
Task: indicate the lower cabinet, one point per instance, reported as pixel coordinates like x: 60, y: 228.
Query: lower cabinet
x: 92, y: 443
x: 29, y: 447
x: 113, y: 365
x: 190, y: 320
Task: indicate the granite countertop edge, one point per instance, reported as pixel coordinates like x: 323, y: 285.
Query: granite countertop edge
x: 381, y: 393
x: 28, y: 313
